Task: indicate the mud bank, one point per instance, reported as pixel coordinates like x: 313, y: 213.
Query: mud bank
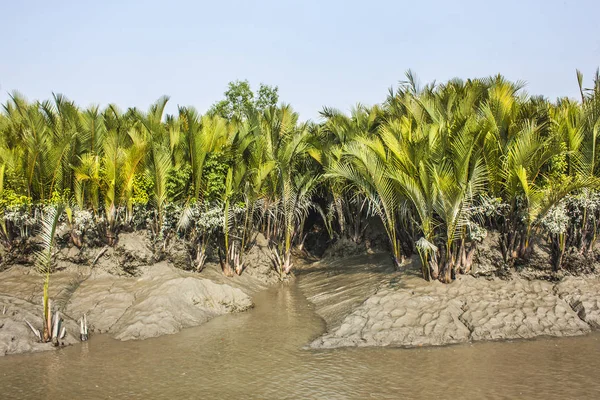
x: 401, y: 309
x: 149, y: 300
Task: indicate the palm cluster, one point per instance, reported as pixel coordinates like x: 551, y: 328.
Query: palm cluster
x: 441, y: 164
x: 438, y: 165
x: 117, y: 170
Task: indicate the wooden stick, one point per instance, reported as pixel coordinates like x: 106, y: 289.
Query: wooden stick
x: 100, y: 253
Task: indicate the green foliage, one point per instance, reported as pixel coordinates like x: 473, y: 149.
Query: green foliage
x: 558, y: 164
x: 14, y: 180
x: 268, y: 96
x: 215, y: 174
x: 439, y: 164
x: 9, y: 200
x: 241, y: 102
x: 439, y: 147
x: 60, y: 197
x: 179, y: 186
x: 239, y: 99
x: 142, y: 189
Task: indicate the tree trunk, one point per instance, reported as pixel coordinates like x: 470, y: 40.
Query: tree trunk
x: 200, y: 257
x: 469, y: 259
x: 462, y: 257
x: 76, y: 239
x: 225, y: 265
x: 558, y: 251
x: 287, y: 262
x: 425, y: 267
x: 446, y: 277
x: 434, y: 266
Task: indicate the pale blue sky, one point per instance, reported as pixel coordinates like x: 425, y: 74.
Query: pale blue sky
x: 333, y: 53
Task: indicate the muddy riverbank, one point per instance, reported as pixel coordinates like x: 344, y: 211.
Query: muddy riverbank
x: 401, y: 309
x: 150, y: 300
x: 362, y: 299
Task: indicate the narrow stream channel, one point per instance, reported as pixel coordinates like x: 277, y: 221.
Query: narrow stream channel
x: 259, y: 354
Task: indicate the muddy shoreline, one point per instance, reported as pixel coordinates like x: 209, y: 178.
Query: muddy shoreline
x: 155, y: 299
x: 400, y: 309
x: 363, y: 300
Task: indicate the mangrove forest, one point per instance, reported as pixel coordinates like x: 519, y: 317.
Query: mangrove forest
x: 436, y: 167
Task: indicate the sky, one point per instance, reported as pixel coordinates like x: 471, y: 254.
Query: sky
x: 318, y: 52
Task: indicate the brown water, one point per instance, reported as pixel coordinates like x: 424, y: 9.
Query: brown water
x: 259, y: 354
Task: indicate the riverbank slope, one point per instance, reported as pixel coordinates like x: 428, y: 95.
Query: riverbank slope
x: 126, y: 294
x: 401, y: 309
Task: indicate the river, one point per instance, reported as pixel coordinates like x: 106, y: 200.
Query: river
x: 259, y: 354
